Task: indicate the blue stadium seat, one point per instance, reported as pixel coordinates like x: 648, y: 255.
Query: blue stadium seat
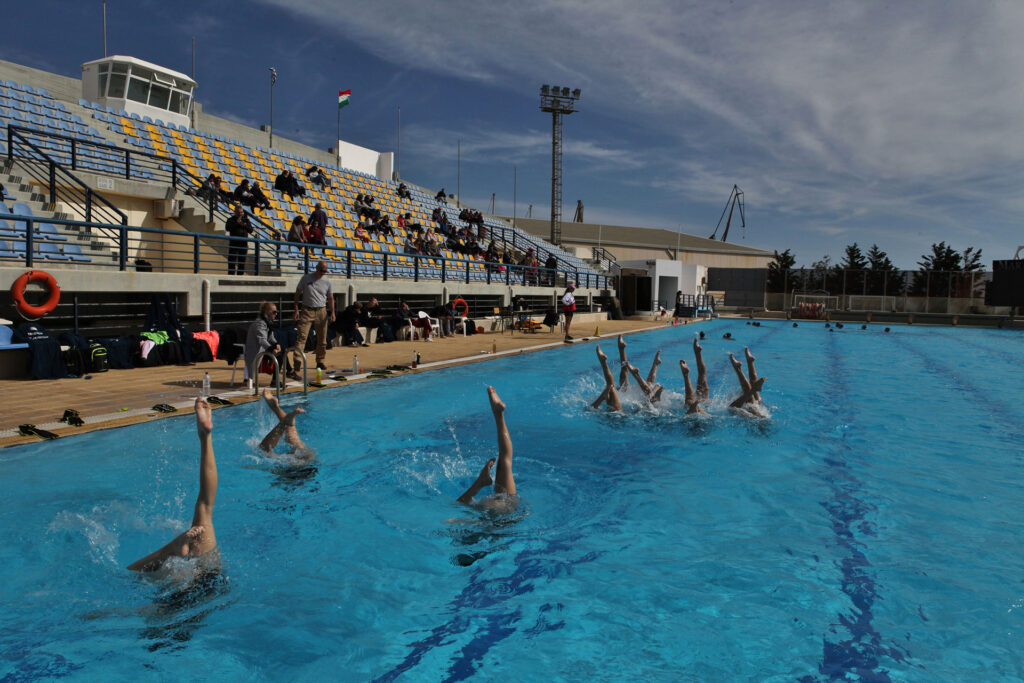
x: 74, y: 252
x: 49, y: 231
x: 6, y: 251
x: 51, y: 252
x: 23, y: 209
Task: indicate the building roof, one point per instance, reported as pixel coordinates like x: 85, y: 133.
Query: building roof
x: 622, y: 235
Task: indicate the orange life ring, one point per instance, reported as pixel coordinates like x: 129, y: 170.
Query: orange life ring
x: 465, y: 307
x: 18, y: 293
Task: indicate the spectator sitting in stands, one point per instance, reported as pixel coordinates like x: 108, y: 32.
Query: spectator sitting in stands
x: 360, y: 232
x: 403, y: 192
x: 286, y: 183
x: 243, y: 194
x: 432, y: 248
x: 441, y: 197
x: 372, y: 212
x: 359, y: 206
x: 400, y: 221
x: 384, y: 226
x: 318, y: 177
x: 318, y: 224
x: 410, y: 246
x: 421, y: 246
x: 207, y: 190
x: 436, y: 215
x: 472, y: 248
x: 454, y: 244
x: 507, y: 258
x: 297, y: 233
x: 410, y: 223
x: 260, y: 200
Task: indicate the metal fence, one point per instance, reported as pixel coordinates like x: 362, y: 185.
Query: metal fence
x: 898, y: 291
x: 35, y: 241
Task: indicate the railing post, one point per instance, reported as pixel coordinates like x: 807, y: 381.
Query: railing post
x: 29, y: 242
x: 127, y: 165
x: 53, y: 183
x: 123, y: 249
x: 74, y: 154
x: 174, y: 174
x: 88, y: 206
x: 195, y: 252
x: 444, y: 270
x: 305, y: 258
x: 258, y: 244
x: 385, y: 262
x: 415, y: 268
x: 348, y: 263
x: 467, y: 272
x: 508, y: 274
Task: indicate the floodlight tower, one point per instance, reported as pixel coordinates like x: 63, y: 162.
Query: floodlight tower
x: 558, y: 101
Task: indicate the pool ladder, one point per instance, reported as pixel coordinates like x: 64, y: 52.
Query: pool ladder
x: 277, y: 370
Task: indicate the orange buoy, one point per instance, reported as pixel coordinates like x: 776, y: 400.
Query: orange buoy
x: 18, y: 293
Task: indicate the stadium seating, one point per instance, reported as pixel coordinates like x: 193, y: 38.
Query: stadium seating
x: 202, y: 153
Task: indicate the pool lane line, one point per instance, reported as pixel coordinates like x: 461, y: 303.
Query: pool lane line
x: 860, y: 654
x: 1009, y: 421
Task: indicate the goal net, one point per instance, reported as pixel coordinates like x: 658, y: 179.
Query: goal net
x: 827, y: 302
x: 880, y: 304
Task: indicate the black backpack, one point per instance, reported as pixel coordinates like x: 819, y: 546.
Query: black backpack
x: 74, y: 362
x: 97, y: 358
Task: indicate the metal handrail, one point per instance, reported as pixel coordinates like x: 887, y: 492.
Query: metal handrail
x: 14, y: 133
x: 305, y: 366
x: 256, y: 371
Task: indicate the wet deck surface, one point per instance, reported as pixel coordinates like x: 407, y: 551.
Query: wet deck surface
x: 121, y: 397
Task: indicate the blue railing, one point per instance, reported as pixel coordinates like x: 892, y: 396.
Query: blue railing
x: 170, y: 251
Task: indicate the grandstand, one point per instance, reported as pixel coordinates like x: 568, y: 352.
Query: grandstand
x: 100, y: 197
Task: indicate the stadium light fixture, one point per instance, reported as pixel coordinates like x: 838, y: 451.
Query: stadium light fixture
x: 558, y: 101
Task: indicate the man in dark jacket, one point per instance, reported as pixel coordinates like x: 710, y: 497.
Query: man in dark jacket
x: 318, y: 225
x: 351, y: 318
x: 238, y: 225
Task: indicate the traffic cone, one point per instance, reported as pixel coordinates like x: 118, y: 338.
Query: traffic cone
x: 597, y: 331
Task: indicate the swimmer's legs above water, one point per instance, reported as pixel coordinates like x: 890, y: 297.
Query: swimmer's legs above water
x: 652, y: 392
x: 652, y: 376
x: 692, y: 402
x: 703, y: 389
x: 623, y: 365
x: 610, y: 394
x: 749, y: 389
x: 200, y: 537
x: 285, y: 427
x: 751, y: 370
x: 503, y: 480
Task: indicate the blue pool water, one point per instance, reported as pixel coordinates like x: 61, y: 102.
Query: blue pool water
x: 870, y: 529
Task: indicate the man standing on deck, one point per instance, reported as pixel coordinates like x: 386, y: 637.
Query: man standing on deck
x: 238, y: 225
x: 316, y: 307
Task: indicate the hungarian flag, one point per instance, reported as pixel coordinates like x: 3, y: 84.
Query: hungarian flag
x: 343, y: 96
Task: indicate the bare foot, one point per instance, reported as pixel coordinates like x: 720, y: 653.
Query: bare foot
x: 600, y: 353
x: 289, y: 419
x: 484, y: 478
x: 270, y: 398
x: 696, y: 346
x: 657, y: 358
x: 750, y: 356
x: 735, y: 363
x: 622, y: 344
x: 684, y: 367
x: 204, y: 420
x: 189, y: 537
x: 496, y: 405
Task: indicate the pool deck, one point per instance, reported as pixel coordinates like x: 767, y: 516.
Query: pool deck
x: 122, y: 397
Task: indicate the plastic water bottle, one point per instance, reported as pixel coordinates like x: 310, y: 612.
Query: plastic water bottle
x: 494, y: 346
x: 415, y: 359
x: 355, y: 365
x: 319, y: 376
x: 206, y: 385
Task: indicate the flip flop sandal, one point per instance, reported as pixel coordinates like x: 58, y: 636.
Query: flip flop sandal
x: 218, y: 401
x: 31, y: 430
x: 164, y: 408
x: 68, y: 414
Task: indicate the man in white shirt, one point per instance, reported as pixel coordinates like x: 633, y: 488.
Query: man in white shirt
x: 316, y: 307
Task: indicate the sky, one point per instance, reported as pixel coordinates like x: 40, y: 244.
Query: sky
x: 899, y: 124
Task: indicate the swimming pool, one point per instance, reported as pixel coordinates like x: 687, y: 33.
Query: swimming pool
x: 870, y: 527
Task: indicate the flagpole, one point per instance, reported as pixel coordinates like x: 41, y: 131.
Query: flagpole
x: 273, y: 79
x: 399, y: 150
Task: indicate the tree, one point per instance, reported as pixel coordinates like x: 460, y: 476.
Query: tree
x: 779, y: 272
x: 883, y: 279
x: 850, y: 273
x: 942, y: 271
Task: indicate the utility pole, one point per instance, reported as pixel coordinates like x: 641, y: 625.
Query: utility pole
x: 273, y: 80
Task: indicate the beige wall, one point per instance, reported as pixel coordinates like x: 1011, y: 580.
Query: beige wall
x: 701, y: 258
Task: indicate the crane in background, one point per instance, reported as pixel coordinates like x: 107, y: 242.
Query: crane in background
x: 735, y: 199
